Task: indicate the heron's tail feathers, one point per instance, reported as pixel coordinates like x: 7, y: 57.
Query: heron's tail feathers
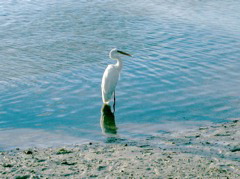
x: 106, y: 98
x: 106, y: 102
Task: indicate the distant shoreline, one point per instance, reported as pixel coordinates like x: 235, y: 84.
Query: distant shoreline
x: 208, y: 152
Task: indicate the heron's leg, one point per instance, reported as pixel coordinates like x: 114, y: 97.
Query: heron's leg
x: 114, y: 103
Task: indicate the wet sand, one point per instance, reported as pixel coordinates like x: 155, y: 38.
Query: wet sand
x: 207, y: 152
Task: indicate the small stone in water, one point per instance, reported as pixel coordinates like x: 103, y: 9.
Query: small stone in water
x: 63, y: 151
x: 28, y: 152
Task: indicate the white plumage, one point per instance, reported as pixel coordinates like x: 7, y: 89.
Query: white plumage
x: 109, y: 82
x: 111, y: 75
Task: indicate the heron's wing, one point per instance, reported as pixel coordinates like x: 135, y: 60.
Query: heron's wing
x: 109, y: 82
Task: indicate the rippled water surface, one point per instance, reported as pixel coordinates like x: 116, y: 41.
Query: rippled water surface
x: 185, y: 70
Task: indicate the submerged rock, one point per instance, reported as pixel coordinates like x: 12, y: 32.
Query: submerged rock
x: 7, y: 165
x: 22, y: 177
x: 235, y: 149
x: 28, y: 152
x: 63, y: 151
x: 68, y: 163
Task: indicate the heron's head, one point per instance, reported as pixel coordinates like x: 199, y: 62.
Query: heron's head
x: 116, y: 54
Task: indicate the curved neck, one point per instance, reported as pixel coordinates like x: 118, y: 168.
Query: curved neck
x: 119, y: 64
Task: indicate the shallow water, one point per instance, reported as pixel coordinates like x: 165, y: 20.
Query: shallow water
x: 185, y: 70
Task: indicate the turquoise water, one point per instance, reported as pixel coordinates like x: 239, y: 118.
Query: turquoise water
x: 185, y: 70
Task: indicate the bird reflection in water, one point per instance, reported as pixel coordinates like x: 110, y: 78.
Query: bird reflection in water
x: 107, y: 121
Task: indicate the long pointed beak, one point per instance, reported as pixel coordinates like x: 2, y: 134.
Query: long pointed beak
x: 124, y: 53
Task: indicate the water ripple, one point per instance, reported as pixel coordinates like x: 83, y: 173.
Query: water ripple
x: 53, y: 54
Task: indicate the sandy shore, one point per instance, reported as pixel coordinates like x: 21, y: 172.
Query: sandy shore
x: 207, y: 152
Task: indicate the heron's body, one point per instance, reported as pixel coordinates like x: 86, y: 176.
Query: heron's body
x: 111, y: 76
x: 109, y: 82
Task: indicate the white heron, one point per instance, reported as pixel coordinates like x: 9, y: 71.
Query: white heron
x: 111, y: 75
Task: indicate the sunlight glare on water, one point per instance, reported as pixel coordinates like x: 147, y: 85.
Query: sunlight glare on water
x: 53, y: 53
